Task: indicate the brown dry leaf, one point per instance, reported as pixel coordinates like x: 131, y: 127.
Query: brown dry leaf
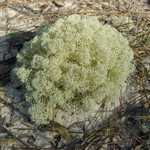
x: 3, y: 96
x: 136, y: 53
x: 6, y: 141
x: 62, y: 130
x: 3, y: 4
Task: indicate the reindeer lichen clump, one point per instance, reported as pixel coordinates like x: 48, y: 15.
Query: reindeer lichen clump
x: 73, y: 64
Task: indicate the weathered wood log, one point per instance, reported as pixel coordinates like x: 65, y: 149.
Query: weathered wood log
x: 8, y: 51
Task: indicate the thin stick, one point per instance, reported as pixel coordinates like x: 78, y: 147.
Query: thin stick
x: 13, y: 136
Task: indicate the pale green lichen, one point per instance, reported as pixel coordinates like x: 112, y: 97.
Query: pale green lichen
x: 73, y: 65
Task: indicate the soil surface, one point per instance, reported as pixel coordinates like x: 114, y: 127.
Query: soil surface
x: 123, y: 124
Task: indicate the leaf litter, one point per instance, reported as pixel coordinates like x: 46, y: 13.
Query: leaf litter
x: 126, y: 127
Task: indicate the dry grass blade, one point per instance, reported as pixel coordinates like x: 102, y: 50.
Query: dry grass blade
x: 143, y: 117
x: 13, y: 136
x: 136, y: 136
x: 105, y: 136
x: 6, y: 141
x: 121, y: 141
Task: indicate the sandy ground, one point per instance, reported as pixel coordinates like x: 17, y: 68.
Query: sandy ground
x: 18, y: 21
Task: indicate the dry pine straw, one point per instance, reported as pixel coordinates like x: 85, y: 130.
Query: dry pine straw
x: 106, y: 134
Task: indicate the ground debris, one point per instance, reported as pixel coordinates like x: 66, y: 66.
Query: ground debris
x: 6, y: 141
x: 128, y: 127
x: 62, y: 130
x: 4, y: 97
